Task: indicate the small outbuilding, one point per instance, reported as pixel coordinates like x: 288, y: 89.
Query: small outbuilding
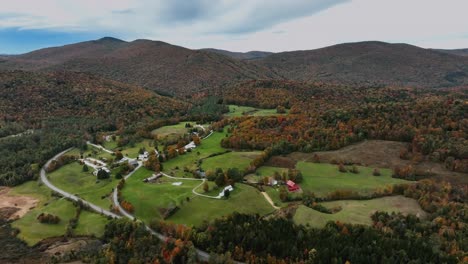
x: 292, y: 186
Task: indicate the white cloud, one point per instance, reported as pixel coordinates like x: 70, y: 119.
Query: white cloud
x: 251, y: 24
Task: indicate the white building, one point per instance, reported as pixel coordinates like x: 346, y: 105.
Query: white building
x: 229, y: 188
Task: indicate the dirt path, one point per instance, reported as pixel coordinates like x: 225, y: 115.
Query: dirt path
x: 22, y: 204
x: 268, y: 198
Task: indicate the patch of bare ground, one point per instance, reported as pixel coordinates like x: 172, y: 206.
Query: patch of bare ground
x: 60, y: 247
x: 382, y: 154
x: 14, y: 207
x: 281, y: 161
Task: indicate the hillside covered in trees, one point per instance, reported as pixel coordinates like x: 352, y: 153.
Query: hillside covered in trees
x: 43, y: 114
x: 328, y: 117
x: 179, y: 71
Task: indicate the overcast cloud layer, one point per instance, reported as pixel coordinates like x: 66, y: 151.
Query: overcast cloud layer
x: 238, y: 25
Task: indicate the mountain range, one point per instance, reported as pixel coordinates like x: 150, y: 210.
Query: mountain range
x: 182, y: 72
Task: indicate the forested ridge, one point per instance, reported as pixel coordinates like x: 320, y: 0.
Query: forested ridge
x: 328, y: 117
x: 318, y: 108
x: 62, y: 109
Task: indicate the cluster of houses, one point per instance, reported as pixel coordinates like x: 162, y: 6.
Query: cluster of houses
x: 96, y: 164
x: 145, y: 155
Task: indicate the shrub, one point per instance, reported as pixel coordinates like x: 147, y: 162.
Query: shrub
x: 48, y: 219
x: 376, y: 172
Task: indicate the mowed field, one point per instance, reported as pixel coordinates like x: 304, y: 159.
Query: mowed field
x: 357, y: 212
x: 92, y: 152
x: 32, y: 231
x: 178, y: 129
x: 72, y: 179
x: 382, y: 154
x: 323, y: 178
x: 240, y: 160
x: 147, y: 198
x: 244, y: 199
x: 237, y: 110
x: 189, y: 160
x: 264, y: 171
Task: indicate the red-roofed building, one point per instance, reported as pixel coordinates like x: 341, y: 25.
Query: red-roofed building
x: 292, y: 186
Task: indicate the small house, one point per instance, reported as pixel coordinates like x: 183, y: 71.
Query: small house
x: 153, y: 178
x: 229, y: 188
x: 272, y: 181
x: 133, y: 162
x: 190, y: 146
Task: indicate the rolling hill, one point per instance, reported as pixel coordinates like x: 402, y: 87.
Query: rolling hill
x: 459, y: 52
x: 154, y: 65
x: 182, y: 72
x: 250, y: 55
x: 371, y: 63
x: 32, y: 97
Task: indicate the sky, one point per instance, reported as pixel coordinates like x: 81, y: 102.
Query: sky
x: 236, y: 25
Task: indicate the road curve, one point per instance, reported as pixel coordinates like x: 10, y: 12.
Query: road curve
x: 196, y: 187
x: 204, y: 256
x: 69, y: 195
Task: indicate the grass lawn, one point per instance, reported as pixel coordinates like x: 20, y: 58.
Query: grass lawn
x: 148, y: 197
x: 265, y: 171
x: 240, y: 160
x: 243, y: 199
x: 31, y: 230
x: 93, y: 153
x: 274, y: 195
x: 132, y: 151
x: 268, y: 112
x: 112, y: 144
x: 237, y: 110
x: 357, y: 212
x: 83, y: 184
x: 189, y: 160
x: 91, y: 224
x: 178, y: 129
x: 322, y: 178
x: 213, y: 189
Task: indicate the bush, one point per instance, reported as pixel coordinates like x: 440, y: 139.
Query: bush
x: 342, y: 168
x: 48, y: 219
x: 376, y: 172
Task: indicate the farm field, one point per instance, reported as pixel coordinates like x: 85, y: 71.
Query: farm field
x: 151, y: 196
x: 147, y: 198
x: 72, y: 179
x: 178, y: 129
x: 132, y: 150
x: 244, y: 199
x: 90, y: 224
x: 357, y: 212
x: 322, y: 178
x: 265, y: 171
x: 240, y: 160
x: 32, y: 231
x: 237, y: 111
x: 189, y: 160
x: 92, y: 152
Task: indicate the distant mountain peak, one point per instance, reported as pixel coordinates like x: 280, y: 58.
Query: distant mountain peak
x: 110, y: 39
